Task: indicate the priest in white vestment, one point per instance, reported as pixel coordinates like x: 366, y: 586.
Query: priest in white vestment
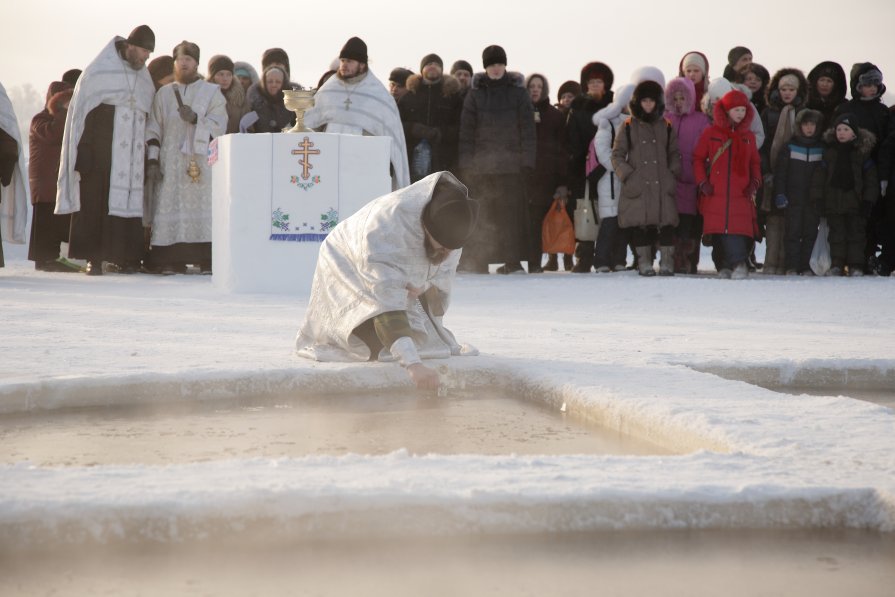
x: 383, y: 279
x: 186, y: 115
x: 355, y: 102
x: 13, y: 177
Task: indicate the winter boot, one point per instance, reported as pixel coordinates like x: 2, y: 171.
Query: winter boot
x: 740, y: 272
x: 645, y: 261
x: 567, y: 263
x: 682, y: 247
x: 585, y: 254
x: 552, y: 265
x: 666, y: 261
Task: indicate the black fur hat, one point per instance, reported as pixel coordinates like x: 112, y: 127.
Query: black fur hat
x: 275, y: 56
x: 653, y: 91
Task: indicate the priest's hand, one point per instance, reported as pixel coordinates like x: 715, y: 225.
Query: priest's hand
x: 153, y: 171
x: 187, y: 114
x: 424, y: 377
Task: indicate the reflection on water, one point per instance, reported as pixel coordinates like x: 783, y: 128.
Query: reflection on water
x: 463, y: 423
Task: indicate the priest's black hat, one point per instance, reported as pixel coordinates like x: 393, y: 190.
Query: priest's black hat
x: 354, y: 49
x: 188, y: 48
x: 142, y: 37
x: 450, y: 216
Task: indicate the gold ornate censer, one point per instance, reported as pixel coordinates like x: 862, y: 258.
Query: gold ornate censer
x: 193, y: 170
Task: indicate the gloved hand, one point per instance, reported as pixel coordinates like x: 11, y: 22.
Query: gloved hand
x: 153, y: 171
x: 781, y: 201
x: 561, y: 193
x: 707, y: 188
x: 187, y: 114
x: 866, y: 208
x: 883, y: 185
x: 751, y: 188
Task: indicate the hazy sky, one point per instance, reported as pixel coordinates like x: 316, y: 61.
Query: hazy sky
x: 43, y: 39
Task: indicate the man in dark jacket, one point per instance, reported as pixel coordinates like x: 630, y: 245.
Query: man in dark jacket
x: 497, y: 155
x: 596, y: 83
x: 430, y: 113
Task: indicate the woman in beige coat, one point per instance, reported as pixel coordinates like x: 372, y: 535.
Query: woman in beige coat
x: 647, y: 161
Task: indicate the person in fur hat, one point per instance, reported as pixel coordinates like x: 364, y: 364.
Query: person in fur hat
x: 596, y: 84
x: 688, y: 124
x: 567, y: 93
x: 851, y: 189
x: 430, y: 113
x: 220, y: 71
x: 787, y: 95
x: 727, y: 170
x: 48, y: 230
x: 549, y: 180
x: 798, y: 186
x: 497, y: 156
x: 647, y: 161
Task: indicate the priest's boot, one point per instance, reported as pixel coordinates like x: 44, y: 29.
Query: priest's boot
x: 645, y: 261
x: 666, y: 261
x: 552, y: 264
x: 584, y: 251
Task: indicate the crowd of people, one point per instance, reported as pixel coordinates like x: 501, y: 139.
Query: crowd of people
x: 118, y: 171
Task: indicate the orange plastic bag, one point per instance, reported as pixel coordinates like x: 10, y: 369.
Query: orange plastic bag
x: 557, y: 231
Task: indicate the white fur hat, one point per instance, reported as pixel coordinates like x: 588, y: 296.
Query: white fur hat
x: 648, y: 73
x: 621, y: 99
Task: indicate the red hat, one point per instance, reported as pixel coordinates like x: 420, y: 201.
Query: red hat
x: 734, y: 99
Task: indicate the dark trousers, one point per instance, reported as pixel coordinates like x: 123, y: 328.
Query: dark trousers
x: 847, y: 240
x: 730, y: 250
x: 611, y: 248
x: 48, y: 231
x: 802, y: 221
x: 646, y: 236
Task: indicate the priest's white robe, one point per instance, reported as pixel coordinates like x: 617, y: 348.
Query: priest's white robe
x: 181, y: 210
x: 14, y: 198
x: 364, y: 269
x: 362, y: 108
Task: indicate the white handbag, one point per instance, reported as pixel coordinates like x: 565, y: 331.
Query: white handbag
x: 586, y: 226
x: 821, y: 261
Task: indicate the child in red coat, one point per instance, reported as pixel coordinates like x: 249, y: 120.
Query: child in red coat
x: 727, y: 169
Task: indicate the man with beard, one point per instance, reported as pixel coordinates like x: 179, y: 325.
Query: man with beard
x: 430, y: 112
x: 101, y: 170
x: 355, y: 102
x: 384, y: 276
x: 186, y: 115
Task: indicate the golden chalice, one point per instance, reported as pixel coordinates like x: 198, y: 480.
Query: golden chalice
x: 299, y: 101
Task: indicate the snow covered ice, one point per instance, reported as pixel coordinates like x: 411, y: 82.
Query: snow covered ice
x: 661, y: 359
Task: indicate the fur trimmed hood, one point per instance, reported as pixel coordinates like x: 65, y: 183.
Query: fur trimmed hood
x: 864, y: 142
x: 647, y: 89
x: 720, y: 116
x: 773, y: 92
x: 622, y: 97
x: 828, y: 69
x: 481, y: 79
x: 54, y: 106
x: 681, y: 85
x: 449, y: 84
x: 546, y: 92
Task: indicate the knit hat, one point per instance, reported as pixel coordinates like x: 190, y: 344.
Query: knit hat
x: 399, y: 75
x: 450, y: 216
x: 597, y: 70
x: 275, y: 56
x: 219, y: 62
x: 354, y: 49
x: 694, y: 59
x: 160, y: 68
x: 431, y: 58
x: 142, y: 37
x: 849, y: 120
x: 789, y: 80
x: 188, y: 48
x: 493, y: 55
x: 734, y: 99
x: 572, y: 87
x: 461, y: 65
x: 736, y: 53
x: 71, y: 76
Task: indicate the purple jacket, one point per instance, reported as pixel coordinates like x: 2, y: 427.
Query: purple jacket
x: 689, y: 127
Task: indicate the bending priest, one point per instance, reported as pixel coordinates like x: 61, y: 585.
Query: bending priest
x: 383, y: 280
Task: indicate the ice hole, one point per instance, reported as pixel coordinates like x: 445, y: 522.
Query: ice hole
x: 487, y: 422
